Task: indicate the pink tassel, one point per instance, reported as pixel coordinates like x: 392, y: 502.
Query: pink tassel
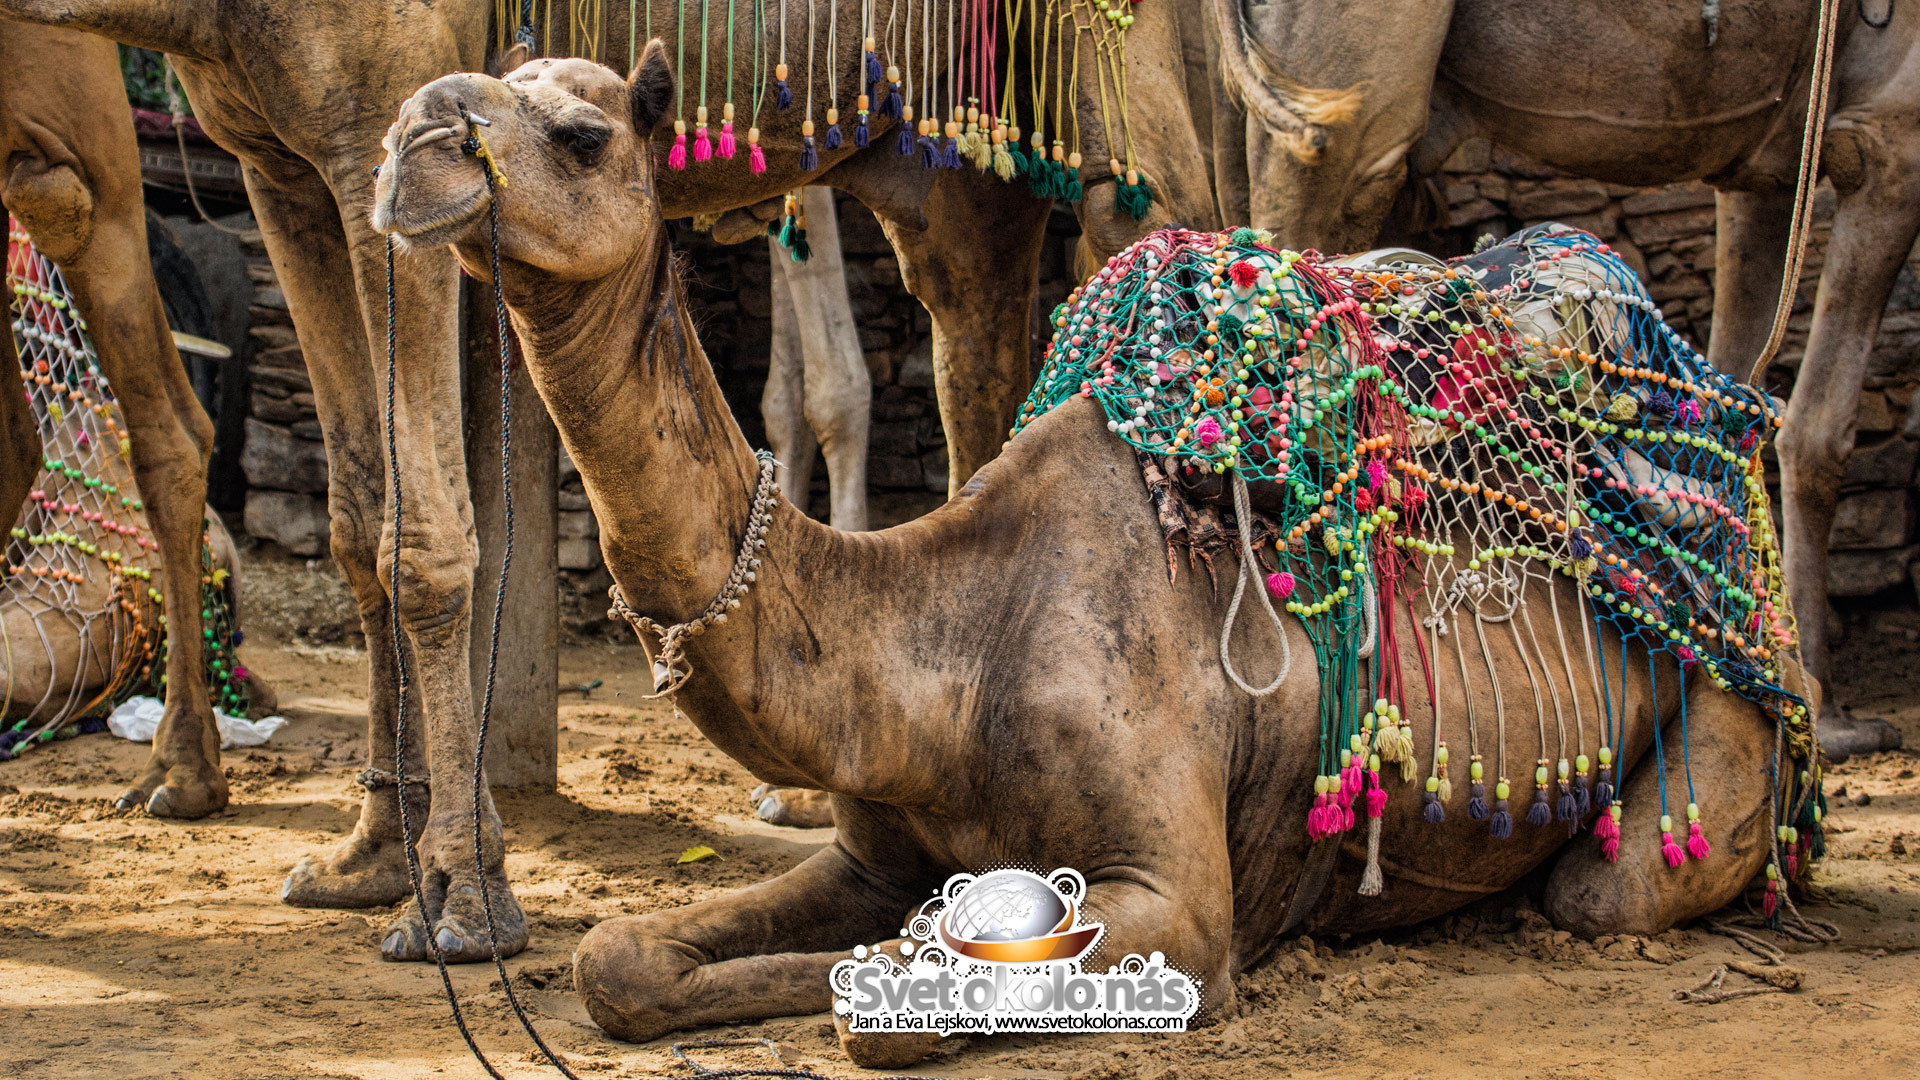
x: 726, y: 139
x: 1346, y: 817
x: 1697, y: 845
x: 1349, y: 782
x: 756, y: 159
x: 1208, y: 432
x: 677, y: 157
x: 702, y: 146
x: 1671, y: 850
x: 1610, y: 847
x: 1771, y: 900
x: 1376, y: 798
x: 1793, y: 865
x: 1317, y: 818
x: 1280, y: 585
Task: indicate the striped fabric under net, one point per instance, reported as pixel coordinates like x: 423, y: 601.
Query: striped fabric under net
x: 79, y: 598
x: 1430, y: 438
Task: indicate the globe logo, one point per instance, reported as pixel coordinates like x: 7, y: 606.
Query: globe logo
x: 1014, y: 916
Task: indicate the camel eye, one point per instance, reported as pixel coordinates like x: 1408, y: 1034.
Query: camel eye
x: 584, y: 142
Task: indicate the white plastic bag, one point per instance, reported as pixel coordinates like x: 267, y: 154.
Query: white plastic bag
x: 139, y: 717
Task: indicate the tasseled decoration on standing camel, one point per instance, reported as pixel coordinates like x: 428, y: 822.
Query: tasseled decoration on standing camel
x: 782, y: 93
x: 677, y: 157
x: 726, y: 145
x: 860, y: 136
x: 756, y: 157
x: 832, y: 138
x: 809, y: 157
x: 702, y: 145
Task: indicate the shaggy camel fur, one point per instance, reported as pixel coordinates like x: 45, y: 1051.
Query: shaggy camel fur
x: 72, y: 177
x: 301, y: 93
x: 1638, y: 93
x: 961, y: 683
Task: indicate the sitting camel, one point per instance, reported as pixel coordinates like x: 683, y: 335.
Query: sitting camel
x: 72, y: 177
x: 1013, y: 677
x: 1661, y: 93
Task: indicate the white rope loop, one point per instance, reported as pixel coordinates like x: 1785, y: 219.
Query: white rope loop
x: 1251, y: 569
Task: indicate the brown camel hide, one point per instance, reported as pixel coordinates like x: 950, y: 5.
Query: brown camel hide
x: 1010, y: 678
x: 72, y: 177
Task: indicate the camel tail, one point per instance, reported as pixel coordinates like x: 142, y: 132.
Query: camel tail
x: 1298, y: 114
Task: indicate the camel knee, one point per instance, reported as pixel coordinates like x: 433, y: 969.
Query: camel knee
x: 1814, y: 453
x: 629, y: 979
x: 56, y: 206
x: 432, y: 584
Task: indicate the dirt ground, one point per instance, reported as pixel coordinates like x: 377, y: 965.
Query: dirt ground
x: 131, y: 947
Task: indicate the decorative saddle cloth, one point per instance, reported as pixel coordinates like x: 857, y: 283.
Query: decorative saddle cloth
x: 1431, y: 436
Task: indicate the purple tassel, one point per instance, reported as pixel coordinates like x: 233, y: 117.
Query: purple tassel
x: 860, y: 137
x: 951, y: 156
x: 1434, y: 812
x: 1603, y: 791
x: 1540, y: 813
x: 1501, y: 826
x: 905, y: 144
x: 833, y: 136
x: 874, y: 73
x: 890, y: 107
x: 1477, y: 803
x: 1569, y: 809
x: 929, y: 153
x: 809, y: 157
x: 1583, y: 798
x: 782, y: 95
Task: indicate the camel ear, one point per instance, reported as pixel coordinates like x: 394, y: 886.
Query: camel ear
x: 517, y: 53
x: 650, y: 87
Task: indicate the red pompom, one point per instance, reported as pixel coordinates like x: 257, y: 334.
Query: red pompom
x: 1244, y: 273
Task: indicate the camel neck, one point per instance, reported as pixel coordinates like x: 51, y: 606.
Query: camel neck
x: 638, y: 408
x: 672, y: 479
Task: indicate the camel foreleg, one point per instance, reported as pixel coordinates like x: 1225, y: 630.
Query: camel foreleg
x: 309, y: 254
x: 1873, y: 230
x: 763, y: 951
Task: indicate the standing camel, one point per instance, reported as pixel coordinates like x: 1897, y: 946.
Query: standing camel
x: 1640, y: 93
x: 72, y: 177
x: 301, y: 94
x: 818, y: 393
x: 1013, y: 677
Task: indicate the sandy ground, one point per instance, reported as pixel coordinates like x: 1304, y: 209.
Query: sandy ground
x: 131, y: 947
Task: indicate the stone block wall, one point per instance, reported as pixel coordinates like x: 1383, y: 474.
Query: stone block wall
x: 284, y: 461
x: 1667, y: 235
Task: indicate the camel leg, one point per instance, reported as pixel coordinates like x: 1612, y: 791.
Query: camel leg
x: 129, y: 328
x: 783, y: 403
x: 838, y: 391
x: 1142, y: 917
x: 1873, y: 230
x: 1750, y: 242
x: 760, y: 952
x: 1732, y: 747
x: 974, y: 264
x: 79, y: 189
x: 309, y: 254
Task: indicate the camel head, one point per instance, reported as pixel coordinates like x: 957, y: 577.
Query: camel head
x: 568, y: 139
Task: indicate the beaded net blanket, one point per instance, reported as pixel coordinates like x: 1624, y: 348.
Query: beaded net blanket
x: 1434, y: 438
x: 79, y: 604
